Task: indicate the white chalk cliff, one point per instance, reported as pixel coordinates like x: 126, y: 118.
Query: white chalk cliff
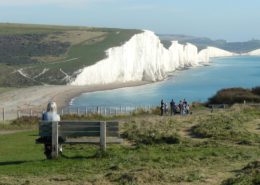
x: 254, y: 53
x: 144, y: 57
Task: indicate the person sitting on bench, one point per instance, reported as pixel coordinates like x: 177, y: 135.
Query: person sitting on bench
x: 50, y: 115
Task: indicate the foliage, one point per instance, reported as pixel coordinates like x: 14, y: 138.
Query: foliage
x: 234, y: 95
x: 148, y: 132
x: 256, y: 90
x: 19, y: 49
x: 249, y: 175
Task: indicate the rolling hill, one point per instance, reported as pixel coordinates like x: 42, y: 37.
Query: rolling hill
x: 43, y: 54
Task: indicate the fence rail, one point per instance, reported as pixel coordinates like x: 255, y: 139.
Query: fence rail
x: 6, y: 114
x: 86, y: 110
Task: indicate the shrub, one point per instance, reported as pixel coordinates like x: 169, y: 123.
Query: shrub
x: 25, y: 122
x: 233, y: 95
x: 146, y: 132
x: 248, y: 175
x: 256, y: 90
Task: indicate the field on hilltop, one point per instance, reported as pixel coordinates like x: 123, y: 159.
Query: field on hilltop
x: 43, y: 54
x: 219, y: 147
x: 204, y: 42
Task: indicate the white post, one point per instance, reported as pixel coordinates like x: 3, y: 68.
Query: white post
x: 55, y: 140
x: 105, y: 111
x: 18, y: 114
x: 62, y: 112
x: 86, y: 110
x: 31, y: 113
x: 77, y: 111
x: 3, y: 114
x: 103, y: 143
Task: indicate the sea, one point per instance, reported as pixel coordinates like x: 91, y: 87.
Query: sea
x: 195, y: 84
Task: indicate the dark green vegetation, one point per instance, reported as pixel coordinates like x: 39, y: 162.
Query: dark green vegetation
x: 202, y: 43
x: 248, y: 175
x: 236, y: 95
x: 203, y: 148
x: 39, y: 54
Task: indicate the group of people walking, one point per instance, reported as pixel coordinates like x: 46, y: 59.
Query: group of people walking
x: 182, y: 108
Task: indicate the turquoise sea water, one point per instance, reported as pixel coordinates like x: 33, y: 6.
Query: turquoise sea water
x: 195, y: 84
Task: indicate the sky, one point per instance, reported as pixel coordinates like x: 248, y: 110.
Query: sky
x: 232, y: 20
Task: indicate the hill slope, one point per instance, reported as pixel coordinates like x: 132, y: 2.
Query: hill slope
x: 203, y: 42
x: 39, y: 54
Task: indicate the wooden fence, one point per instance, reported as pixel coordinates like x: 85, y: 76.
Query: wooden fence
x: 86, y: 110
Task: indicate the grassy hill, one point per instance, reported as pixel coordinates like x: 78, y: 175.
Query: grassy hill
x: 43, y: 54
x: 203, y: 148
x: 203, y: 42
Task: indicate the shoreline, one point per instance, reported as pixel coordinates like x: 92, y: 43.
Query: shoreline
x: 36, y: 97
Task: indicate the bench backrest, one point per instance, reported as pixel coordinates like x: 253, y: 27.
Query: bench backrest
x: 80, y: 128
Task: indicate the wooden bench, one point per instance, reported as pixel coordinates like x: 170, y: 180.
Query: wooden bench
x: 79, y: 132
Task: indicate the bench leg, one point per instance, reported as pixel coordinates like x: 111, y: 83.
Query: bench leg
x: 103, y: 143
x: 55, y: 141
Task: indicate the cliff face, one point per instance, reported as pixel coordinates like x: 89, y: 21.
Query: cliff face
x: 143, y: 57
x: 254, y: 53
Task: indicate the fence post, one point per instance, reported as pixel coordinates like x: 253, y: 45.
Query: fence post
x: 3, y: 114
x: 55, y: 140
x: 62, y: 112
x: 86, y: 110
x: 31, y: 112
x: 97, y: 109
x: 18, y: 114
x: 103, y: 144
x: 77, y: 111
x: 105, y: 111
x: 116, y: 111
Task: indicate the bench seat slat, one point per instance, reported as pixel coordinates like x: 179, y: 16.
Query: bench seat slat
x: 75, y: 129
x: 92, y: 140
x: 78, y: 134
x: 78, y: 129
x: 86, y: 133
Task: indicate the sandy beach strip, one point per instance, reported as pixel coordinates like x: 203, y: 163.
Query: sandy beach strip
x: 37, y: 97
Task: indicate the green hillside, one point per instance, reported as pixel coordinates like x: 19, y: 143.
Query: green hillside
x: 43, y: 54
x: 203, y: 42
x: 204, y: 148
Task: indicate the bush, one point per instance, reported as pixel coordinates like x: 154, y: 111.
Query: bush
x: 248, y: 175
x: 256, y: 90
x: 25, y: 122
x: 233, y: 95
x: 146, y: 132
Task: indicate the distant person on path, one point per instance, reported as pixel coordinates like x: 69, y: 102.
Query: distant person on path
x: 50, y: 115
x: 181, y: 107
x: 165, y: 108
x: 161, y: 108
x: 172, y: 105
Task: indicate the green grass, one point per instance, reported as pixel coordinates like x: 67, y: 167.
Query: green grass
x: 145, y: 157
x: 31, y: 38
